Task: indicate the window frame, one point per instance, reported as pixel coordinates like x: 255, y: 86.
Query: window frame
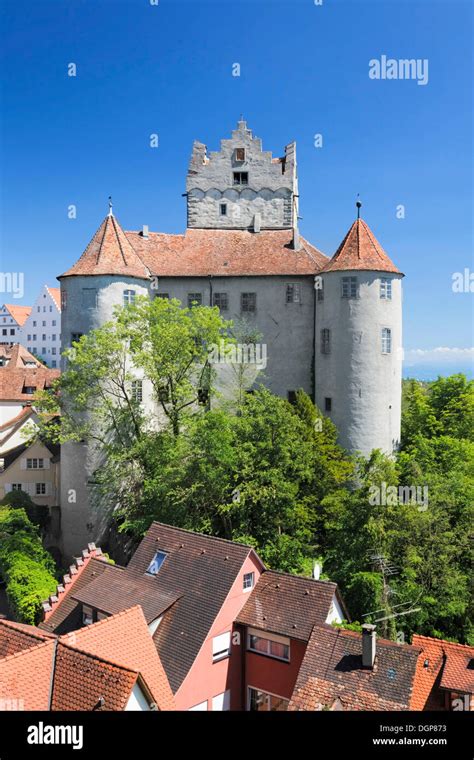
x: 325, y: 341
x: 164, y: 556
x: 385, y: 288
x: 221, y: 295
x: 267, y: 694
x: 349, y: 282
x: 270, y: 639
x: 386, y: 339
x: 193, y: 301
x: 246, y: 299
x: 239, y: 176
x: 225, y: 652
x: 245, y: 588
x: 293, y: 292
x: 128, y: 297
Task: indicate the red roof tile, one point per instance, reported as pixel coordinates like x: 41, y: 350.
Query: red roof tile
x: 360, y: 249
x: 441, y: 665
x: 109, y: 252
x: 25, y: 677
x: 55, y: 294
x: 19, y: 313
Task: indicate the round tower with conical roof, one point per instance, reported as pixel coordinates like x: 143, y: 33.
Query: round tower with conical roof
x: 108, y: 274
x: 358, y: 355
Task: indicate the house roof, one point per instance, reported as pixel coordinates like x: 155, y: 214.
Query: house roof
x: 12, y: 455
x: 441, y: 665
x: 19, y: 313
x: 332, y: 674
x: 226, y: 253
x: 14, y: 380
x: 109, y: 252
x: 17, y: 356
x: 360, y: 250
x: 288, y: 605
x: 114, y: 591
x: 124, y: 639
x: 55, y: 294
x: 104, y: 660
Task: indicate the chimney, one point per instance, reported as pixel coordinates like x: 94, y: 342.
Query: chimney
x: 257, y: 221
x: 368, y: 645
x: 296, y: 245
x: 145, y: 231
x: 316, y: 570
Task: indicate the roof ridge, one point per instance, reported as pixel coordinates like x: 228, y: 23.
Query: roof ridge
x: 28, y: 650
x: 98, y: 657
x: 107, y: 619
x: 201, y: 535
x: 13, y: 625
x: 299, y: 577
x: 443, y: 642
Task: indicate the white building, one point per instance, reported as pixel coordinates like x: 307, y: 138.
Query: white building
x: 12, y: 319
x: 41, y: 332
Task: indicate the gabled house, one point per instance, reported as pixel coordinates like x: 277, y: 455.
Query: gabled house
x: 444, y: 676
x: 110, y: 665
x: 12, y: 319
x: 34, y: 469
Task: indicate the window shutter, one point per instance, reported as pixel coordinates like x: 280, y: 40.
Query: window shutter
x: 46, y: 464
x: 23, y: 464
x: 8, y: 487
x: 221, y: 643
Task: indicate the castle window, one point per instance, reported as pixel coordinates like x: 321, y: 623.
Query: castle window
x: 248, y: 302
x: 325, y: 341
x: 162, y: 295
x: 240, y: 154
x: 221, y: 300
x: 349, y: 287
x: 63, y: 299
x: 223, y: 209
x: 75, y: 337
x: 293, y: 293
x: 194, y: 299
x: 386, y: 289
x: 386, y: 340
x: 241, y: 178
x: 291, y: 397
x: 327, y: 404
x: 34, y: 323
x: 128, y: 297
x: 137, y: 390
x: 320, y: 291
x: 89, y: 298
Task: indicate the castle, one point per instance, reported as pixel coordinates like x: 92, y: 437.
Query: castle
x: 332, y: 326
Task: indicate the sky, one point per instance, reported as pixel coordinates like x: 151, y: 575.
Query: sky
x: 166, y: 67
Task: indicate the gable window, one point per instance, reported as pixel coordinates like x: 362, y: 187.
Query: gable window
x: 87, y: 615
x: 30, y: 389
x: 249, y: 581
x: 221, y: 646
x: 40, y: 489
x: 327, y: 404
x: 35, y: 464
x: 241, y: 178
x: 386, y: 289
x: 240, y: 154
x: 269, y: 645
x: 248, y: 302
x: 293, y: 292
x: 349, y: 287
x: 156, y: 563
x: 194, y: 299
x: 223, y: 209
x: 386, y: 340
x: 221, y: 300
x: 137, y: 390
x: 325, y: 341
x: 129, y: 297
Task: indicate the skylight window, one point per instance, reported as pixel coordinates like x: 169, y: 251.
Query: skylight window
x: 156, y: 563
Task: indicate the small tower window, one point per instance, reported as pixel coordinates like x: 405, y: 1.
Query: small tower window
x: 221, y: 300
x: 386, y: 340
x: 223, y: 209
x: 325, y: 341
x: 194, y: 299
x: 327, y: 404
x: 386, y: 289
x: 248, y: 302
x: 128, y: 297
x: 241, y: 178
x: 293, y: 292
x: 349, y: 287
x: 320, y: 292
x: 63, y: 299
x: 240, y: 154
x: 292, y: 397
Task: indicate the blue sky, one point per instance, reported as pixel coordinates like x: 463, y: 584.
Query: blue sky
x: 167, y: 69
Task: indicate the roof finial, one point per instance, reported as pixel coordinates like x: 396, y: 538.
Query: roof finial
x: 358, y: 204
x: 110, y: 206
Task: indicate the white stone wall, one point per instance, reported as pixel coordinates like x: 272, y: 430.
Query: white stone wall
x: 271, y: 190
x: 363, y: 383
x: 41, y: 332
x: 9, y: 327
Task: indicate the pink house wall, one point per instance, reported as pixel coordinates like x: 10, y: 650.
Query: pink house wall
x: 207, y: 679
x: 274, y: 676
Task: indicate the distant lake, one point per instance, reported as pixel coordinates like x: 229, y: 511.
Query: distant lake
x: 431, y: 371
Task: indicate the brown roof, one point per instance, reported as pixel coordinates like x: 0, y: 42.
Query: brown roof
x: 14, y: 381
x: 360, y: 249
x: 287, y: 604
x: 226, y: 253
x: 441, y: 665
x: 113, y: 591
x: 19, y: 313
x: 18, y: 356
x: 16, y: 637
x: 125, y: 639
x: 25, y: 676
x: 67, y: 615
x: 109, y: 252
x: 331, y: 674
x: 199, y: 568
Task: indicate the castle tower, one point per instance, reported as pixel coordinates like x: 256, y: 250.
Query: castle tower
x: 241, y: 186
x: 109, y: 273
x: 358, y: 354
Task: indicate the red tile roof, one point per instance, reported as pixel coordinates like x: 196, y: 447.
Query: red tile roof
x: 109, y: 252
x: 18, y: 356
x: 331, y: 674
x: 25, y: 677
x: 441, y: 665
x: 360, y: 249
x: 55, y: 294
x: 15, y: 376
x: 125, y: 639
x: 19, y: 313
x: 226, y: 253
x: 16, y: 637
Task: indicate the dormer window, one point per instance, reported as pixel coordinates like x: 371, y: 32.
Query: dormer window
x: 241, y: 178
x: 156, y: 563
x: 240, y: 154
